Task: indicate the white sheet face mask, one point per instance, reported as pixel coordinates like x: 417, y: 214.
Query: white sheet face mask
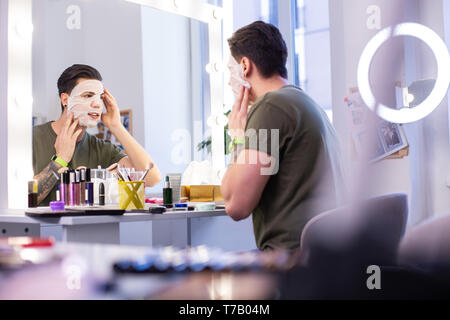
x: 236, y: 76
x: 85, y: 95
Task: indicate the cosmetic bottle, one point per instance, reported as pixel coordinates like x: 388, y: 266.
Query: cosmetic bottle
x: 62, y: 189
x: 77, y: 187
x: 101, y: 194
x: 167, y: 192
x: 72, y: 188
x: 66, y: 180
x: 82, y: 187
x: 32, y: 194
x: 89, y: 195
x: 58, y: 192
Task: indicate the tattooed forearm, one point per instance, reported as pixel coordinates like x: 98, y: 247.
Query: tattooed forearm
x: 235, y: 153
x: 47, y: 180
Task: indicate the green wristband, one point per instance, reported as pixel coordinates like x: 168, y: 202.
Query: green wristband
x: 60, y: 161
x: 239, y: 141
x: 235, y: 142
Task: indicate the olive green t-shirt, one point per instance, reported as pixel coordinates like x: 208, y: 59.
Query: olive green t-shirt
x: 90, y: 152
x: 308, y: 176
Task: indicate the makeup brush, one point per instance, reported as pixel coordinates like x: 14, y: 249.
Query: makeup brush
x: 150, y: 166
x: 123, y: 176
x: 113, y: 169
x: 144, y: 175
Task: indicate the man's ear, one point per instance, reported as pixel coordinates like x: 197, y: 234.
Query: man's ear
x: 64, y: 99
x: 246, y: 67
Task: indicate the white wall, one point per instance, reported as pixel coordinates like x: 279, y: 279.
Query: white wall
x: 423, y: 173
x: 349, y: 35
x: 436, y: 126
x: 446, y: 15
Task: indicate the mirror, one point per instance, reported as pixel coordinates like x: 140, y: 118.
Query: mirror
x: 152, y: 61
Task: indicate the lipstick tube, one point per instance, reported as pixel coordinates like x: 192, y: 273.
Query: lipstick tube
x: 82, y: 187
x: 77, y: 187
x: 66, y: 179
x: 62, y: 189
x: 89, y: 189
x: 72, y: 188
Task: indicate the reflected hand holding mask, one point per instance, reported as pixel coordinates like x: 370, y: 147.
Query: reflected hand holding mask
x: 236, y: 76
x: 86, y: 104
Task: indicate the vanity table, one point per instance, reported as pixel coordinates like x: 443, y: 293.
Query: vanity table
x: 179, y: 228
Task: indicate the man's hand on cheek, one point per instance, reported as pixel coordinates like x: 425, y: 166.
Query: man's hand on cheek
x: 67, y: 139
x: 111, y: 118
x: 237, y: 119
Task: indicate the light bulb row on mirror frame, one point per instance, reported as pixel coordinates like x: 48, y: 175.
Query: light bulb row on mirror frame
x: 214, y: 67
x: 24, y: 30
x: 201, y: 10
x: 24, y: 101
x: 217, y: 121
x: 216, y: 13
x: 18, y: 140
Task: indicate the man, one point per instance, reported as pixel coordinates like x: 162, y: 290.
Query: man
x: 285, y: 166
x: 65, y: 144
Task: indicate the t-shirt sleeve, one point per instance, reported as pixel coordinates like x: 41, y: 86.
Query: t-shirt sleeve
x: 111, y: 154
x: 269, y: 129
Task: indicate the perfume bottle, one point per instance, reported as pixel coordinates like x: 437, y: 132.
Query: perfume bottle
x: 167, y: 192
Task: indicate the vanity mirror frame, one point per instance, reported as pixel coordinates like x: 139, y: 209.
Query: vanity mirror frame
x: 16, y: 143
x: 16, y: 118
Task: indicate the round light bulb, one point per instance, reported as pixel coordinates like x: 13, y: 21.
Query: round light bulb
x: 217, y: 14
x: 214, y: 67
x: 222, y: 120
x: 208, y: 68
x: 24, y: 101
x: 210, y: 121
x: 24, y: 29
x: 218, y: 67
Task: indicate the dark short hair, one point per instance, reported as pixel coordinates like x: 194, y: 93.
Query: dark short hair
x: 263, y: 44
x: 68, y: 79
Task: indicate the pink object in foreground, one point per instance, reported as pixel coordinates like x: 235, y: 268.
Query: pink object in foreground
x: 154, y: 200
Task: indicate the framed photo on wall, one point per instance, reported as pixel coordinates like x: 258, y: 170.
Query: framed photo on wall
x: 391, y: 136
x: 388, y: 139
x: 127, y: 120
x: 102, y: 132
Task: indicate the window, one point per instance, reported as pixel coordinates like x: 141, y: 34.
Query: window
x: 269, y: 11
x: 311, y: 65
x: 312, y: 51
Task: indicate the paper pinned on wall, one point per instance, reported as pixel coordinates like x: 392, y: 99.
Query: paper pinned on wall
x: 356, y: 107
x: 388, y: 139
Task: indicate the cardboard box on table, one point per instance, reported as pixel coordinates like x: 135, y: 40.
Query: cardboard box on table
x: 201, y: 193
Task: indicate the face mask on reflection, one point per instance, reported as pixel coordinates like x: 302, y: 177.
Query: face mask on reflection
x: 236, y: 76
x: 82, y: 99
